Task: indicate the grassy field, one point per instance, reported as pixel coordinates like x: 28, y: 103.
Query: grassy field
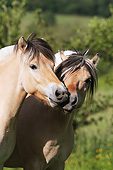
x: 67, y: 26
x: 64, y: 27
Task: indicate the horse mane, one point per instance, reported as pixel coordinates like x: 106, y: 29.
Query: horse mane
x: 37, y: 45
x: 74, y: 62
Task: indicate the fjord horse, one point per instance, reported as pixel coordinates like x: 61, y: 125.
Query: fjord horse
x: 26, y: 67
x: 45, y: 135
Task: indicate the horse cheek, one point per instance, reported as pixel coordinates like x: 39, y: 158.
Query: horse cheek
x: 71, y: 88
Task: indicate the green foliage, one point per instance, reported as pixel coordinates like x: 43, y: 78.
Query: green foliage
x: 13, y: 169
x: 10, y: 18
x: 49, y: 18
x: 40, y: 23
x: 99, y: 38
x: 82, y: 115
x: 81, y: 7
x: 93, y: 153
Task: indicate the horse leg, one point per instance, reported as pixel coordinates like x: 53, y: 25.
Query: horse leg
x: 57, y: 167
x: 1, y: 166
x: 34, y: 165
x: 61, y: 167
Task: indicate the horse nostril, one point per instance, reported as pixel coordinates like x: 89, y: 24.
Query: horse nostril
x: 75, y: 101
x: 57, y: 93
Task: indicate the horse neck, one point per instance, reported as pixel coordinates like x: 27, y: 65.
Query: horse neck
x: 59, y: 123
x: 41, y: 97
x: 11, y: 91
x: 64, y: 120
x: 53, y: 117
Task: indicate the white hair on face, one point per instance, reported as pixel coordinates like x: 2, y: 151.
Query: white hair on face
x: 68, y: 52
x: 58, y: 59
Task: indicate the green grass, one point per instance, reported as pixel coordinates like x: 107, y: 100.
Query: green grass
x: 105, y: 83
x: 64, y: 28
x: 28, y: 21
x: 67, y: 25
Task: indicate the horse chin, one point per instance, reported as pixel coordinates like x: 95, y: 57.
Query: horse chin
x: 56, y: 103
x: 52, y: 103
x: 67, y: 111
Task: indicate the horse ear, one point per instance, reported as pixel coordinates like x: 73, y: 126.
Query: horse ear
x: 62, y: 56
x: 95, y: 59
x: 22, y: 44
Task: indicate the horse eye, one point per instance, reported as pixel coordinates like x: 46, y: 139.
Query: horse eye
x: 88, y: 80
x: 33, y: 66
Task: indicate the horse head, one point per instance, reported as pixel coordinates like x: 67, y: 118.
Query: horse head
x: 79, y: 75
x: 36, y: 72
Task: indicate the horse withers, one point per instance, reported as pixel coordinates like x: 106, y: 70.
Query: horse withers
x: 45, y: 138
x: 26, y: 67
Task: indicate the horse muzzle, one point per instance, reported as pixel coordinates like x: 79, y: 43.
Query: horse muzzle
x: 70, y: 106
x: 59, y: 96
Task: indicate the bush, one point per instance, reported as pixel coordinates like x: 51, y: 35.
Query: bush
x: 10, y: 18
x: 49, y: 18
x: 99, y: 38
x: 98, y: 104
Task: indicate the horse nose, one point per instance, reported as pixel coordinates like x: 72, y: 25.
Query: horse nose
x: 61, y: 95
x: 58, y: 94
x: 75, y: 101
x: 72, y: 103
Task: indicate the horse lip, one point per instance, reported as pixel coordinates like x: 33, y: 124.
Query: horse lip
x: 61, y: 104
x: 67, y: 111
x: 64, y: 103
x: 54, y: 102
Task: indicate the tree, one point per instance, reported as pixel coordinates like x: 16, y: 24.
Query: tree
x: 99, y: 38
x: 10, y: 18
x: 82, y: 7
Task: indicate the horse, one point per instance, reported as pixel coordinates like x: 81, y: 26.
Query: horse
x: 26, y: 67
x: 45, y: 138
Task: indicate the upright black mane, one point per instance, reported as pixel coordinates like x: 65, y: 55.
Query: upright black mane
x: 36, y: 45
x: 74, y: 62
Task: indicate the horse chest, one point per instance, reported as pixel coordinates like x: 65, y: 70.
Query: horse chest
x: 7, y: 141
x: 50, y: 150
x: 55, y: 151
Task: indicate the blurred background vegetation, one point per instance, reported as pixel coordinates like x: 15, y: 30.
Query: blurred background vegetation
x: 79, y: 25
